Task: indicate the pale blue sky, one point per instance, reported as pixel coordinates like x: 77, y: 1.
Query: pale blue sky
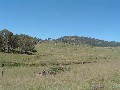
x: 55, y: 18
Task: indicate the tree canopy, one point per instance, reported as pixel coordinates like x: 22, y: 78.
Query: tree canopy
x: 16, y: 43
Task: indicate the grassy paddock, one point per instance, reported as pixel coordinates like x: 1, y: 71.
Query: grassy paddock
x: 94, y: 76
x: 22, y: 72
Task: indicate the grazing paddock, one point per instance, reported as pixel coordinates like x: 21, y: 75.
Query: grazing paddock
x: 94, y: 76
x: 58, y: 67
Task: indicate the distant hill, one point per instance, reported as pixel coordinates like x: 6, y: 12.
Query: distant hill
x: 10, y: 42
x: 87, y: 40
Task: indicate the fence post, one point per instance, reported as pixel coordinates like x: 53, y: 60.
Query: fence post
x: 2, y: 73
x: 2, y: 70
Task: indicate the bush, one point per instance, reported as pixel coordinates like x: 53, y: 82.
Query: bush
x: 55, y: 70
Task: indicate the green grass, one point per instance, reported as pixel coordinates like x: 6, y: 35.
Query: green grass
x: 48, y: 53
x: 20, y: 71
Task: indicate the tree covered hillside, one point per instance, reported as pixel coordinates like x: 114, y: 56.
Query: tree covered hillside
x: 26, y: 44
x: 87, y: 40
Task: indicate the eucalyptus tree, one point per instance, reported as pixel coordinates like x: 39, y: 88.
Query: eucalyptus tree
x: 6, y: 40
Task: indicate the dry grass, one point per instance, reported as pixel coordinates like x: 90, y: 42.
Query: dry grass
x: 95, y: 76
x: 102, y: 75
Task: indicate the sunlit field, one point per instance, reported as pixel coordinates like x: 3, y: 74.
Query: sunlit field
x: 62, y: 67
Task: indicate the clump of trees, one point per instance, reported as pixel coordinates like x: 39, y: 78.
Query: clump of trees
x: 22, y: 43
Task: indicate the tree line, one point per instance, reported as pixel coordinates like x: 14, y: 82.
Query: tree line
x: 76, y: 40
x: 22, y: 43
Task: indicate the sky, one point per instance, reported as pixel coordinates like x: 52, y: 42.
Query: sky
x: 56, y: 18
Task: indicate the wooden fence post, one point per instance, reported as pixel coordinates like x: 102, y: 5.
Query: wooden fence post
x: 2, y: 70
x: 2, y: 73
